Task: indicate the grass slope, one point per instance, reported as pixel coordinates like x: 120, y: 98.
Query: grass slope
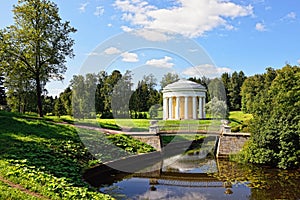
x: 49, y: 159
x: 239, y: 121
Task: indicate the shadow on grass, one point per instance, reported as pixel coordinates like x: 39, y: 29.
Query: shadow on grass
x: 51, y: 148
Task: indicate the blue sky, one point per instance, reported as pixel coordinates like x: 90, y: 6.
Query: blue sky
x: 232, y: 36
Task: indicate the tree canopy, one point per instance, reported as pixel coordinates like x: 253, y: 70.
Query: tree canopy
x: 275, y: 127
x: 37, y: 44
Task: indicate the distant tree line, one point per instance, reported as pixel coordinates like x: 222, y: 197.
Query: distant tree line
x: 109, y: 95
x: 224, y: 93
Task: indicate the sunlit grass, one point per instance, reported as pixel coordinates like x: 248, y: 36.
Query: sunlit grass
x: 239, y: 121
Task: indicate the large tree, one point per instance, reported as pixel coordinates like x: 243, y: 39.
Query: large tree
x: 121, y: 96
x: 253, y: 86
x: 39, y: 41
x: 275, y: 127
x: 168, y: 79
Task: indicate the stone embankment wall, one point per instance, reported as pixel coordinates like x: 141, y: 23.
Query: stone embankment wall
x: 149, y: 139
x: 231, y: 143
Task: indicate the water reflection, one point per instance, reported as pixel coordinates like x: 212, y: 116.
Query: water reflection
x: 188, y: 177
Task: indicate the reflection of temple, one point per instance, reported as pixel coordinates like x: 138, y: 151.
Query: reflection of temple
x: 184, y: 100
x: 184, y: 170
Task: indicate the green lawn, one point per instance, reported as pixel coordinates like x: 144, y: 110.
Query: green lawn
x: 239, y: 121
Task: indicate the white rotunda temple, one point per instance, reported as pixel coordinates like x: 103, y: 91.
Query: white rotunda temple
x: 184, y: 99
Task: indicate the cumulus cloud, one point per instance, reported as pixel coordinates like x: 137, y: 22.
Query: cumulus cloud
x: 83, y: 6
x: 164, y: 62
x: 111, y: 51
x: 191, y: 18
x: 126, y: 29
x: 99, y: 11
x: 298, y: 62
x: 289, y: 17
x: 129, y: 57
x: 207, y: 70
x: 153, y: 35
x: 260, y: 27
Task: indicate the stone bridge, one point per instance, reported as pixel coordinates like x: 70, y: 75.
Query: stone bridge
x: 227, y: 141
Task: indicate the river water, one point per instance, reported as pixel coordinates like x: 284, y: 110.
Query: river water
x: 195, y: 176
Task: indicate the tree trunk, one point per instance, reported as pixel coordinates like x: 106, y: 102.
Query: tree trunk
x: 39, y: 96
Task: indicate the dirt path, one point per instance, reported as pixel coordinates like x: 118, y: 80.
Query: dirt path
x: 21, y: 188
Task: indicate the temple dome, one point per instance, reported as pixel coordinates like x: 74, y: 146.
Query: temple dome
x: 185, y: 85
x: 184, y: 99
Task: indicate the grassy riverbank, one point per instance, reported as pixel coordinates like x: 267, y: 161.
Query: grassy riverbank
x: 48, y: 159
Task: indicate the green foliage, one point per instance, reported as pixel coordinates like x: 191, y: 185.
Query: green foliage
x: 66, y: 99
x: 166, y: 139
x: 2, y: 91
x: 240, y: 121
x: 236, y: 82
x: 121, y: 96
x: 10, y: 193
x: 217, y: 108
x: 216, y: 89
x: 129, y: 144
x: 36, y: 46
x: 275, y: 127
x: 233, y: 84
x: 254, y: 86
x: 46, y: 184
x: 168, y: 79
x: 153, y: 111
x: 44, y: 157
x: 144, y: 97
x: 83, y: 100
x: 59, y: 108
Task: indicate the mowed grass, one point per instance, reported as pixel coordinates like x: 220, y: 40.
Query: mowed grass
x: 142, y: 125
x: 239, y: 121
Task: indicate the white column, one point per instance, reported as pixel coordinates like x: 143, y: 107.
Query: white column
x: 170, y: 116
x: 177, y: 108
x: 186, y: 108
x: 204, y: 114
x: 194, y: 108
x: 200, y: 107
x: 165, y: 108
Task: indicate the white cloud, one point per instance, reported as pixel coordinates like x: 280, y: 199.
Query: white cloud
x: 290, y: 16
x: 83, y: 6
x: 126, y: 29
x: 207, y: 70
x: 153, y: 35
x: 109, y: 25
x: 260, y: 27
x: 268, y: 8
x: 298, y: 62
x: 111, y: 51
x: 99, y: 11
x: 93, y: 54
x: 190, y: 18
x: 129, y: 57
x: 164, y: 62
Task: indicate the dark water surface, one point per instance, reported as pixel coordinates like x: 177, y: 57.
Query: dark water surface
x: 189, y: 177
